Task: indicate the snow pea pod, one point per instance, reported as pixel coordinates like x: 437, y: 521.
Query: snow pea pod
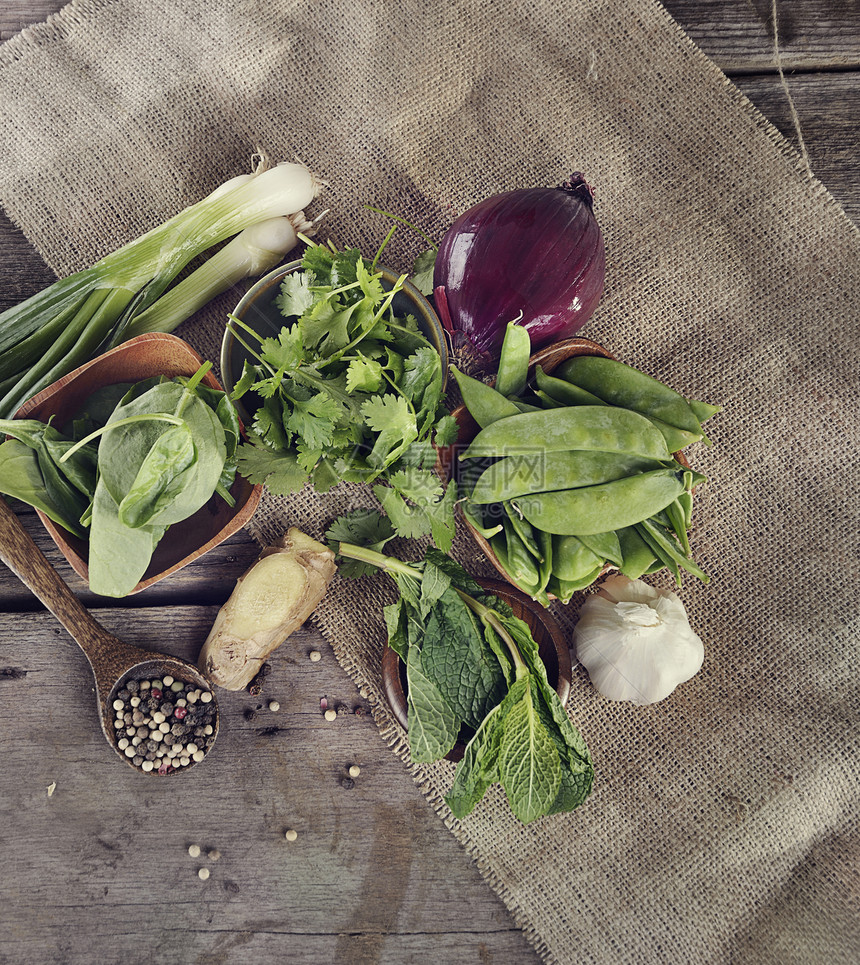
x: 563, y: 391
x: 637, y: 555
x: 524, y: 530
x: 513, y: 367
x: 564, y: 589
x: 572, y: 559
x: 514, y: 476
x: 667, y: 550
x: 604, y: 545
x: 484, y: 403
x: 622, y: 385
x: 608, y: 506
x: 521, y: 562
x: 586, y: 427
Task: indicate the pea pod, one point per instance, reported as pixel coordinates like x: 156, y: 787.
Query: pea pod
x: 586, y: 427
x: 545, y: 568
x: 608, y: 506
x: 513, y: 367
x: 484, y: 403
x: 524, y: 530
x: 622, y: 385
x: 564, y: 589
x: 637, y: 555
x: 521, y: 562
x: 475, y: 516
x: 498, y: 545
x: 604, y: 545
x: 572, y: 559
x: 667, y: 550
x: 515, y: 476
x: 563, y: 391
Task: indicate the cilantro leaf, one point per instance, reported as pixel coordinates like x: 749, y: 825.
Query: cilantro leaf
x: 296, y: 296
x: 285, y: 351
x: 314, y: 421
x: 447, y: 431
x: 422, y: 271
x: 269, y: 424
x: 250, y: 375
x: 364, y: 375
x: 410, y: 521
x: 393, y: 420
x: 278, y: 471
x: 362, y: 527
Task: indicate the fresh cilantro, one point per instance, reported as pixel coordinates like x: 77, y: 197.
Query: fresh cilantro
x: 364, y: 375
x: 296, y: 296
x: 366, y: 527
x: 348, y: 390
x: 391, y: 418
x: 278, y: 471
x: 422, y: 271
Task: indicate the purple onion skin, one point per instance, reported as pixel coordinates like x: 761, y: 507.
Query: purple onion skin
x: 535, y: 251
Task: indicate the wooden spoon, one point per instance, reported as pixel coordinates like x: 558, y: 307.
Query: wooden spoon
x: 112, y: 661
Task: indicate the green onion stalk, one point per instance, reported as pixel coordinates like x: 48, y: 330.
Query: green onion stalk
x: 129, y: 293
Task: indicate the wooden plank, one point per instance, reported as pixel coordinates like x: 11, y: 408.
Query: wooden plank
x: 209, y: 580
x: 738, y: 34
x: 95, y: 862
x: 828, y: 115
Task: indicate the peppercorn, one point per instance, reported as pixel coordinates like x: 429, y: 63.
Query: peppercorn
x: 347, y: 783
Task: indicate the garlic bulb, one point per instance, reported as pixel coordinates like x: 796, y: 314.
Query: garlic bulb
x: 636, y: 642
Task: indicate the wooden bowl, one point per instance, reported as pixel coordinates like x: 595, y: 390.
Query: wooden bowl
x: 258, y: 308
x: 548, y: 358
x: 552, y: 646
x: 142, y: 358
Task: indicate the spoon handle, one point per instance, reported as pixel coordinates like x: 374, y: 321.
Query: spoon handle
x: 20, y: 553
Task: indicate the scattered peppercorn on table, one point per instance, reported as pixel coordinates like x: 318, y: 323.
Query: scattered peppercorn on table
x: 300, y: 837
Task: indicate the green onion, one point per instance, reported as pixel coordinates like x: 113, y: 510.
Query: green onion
x: 68, y: 323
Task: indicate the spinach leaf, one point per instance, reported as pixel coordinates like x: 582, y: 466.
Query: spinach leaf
x: 21, y: 478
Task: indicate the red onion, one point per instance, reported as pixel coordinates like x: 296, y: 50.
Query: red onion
x: 534, y: 255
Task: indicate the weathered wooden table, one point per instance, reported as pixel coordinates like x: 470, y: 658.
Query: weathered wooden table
x: 94, y: 862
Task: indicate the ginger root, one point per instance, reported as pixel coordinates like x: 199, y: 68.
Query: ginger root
x: 270, y: 601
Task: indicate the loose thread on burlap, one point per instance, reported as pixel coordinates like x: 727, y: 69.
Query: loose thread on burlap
x: 794, y: 115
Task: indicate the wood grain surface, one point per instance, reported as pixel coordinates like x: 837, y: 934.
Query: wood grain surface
x: 94, y: 862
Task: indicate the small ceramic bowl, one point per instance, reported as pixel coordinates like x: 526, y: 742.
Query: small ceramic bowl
x: 549, y: 359
x: 141, y: 358
x: 257, y: 309
x: 548, y: 635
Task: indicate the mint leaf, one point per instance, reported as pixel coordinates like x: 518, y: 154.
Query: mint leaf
x: 433, y: 723
x: 529, y: 766
x: 479, y: 767
x: 456, y: 658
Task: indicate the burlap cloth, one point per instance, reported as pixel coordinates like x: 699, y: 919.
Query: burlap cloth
x: 723, y: 826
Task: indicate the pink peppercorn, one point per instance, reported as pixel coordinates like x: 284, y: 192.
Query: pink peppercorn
x: 179, y: 713
x: 155, y: 692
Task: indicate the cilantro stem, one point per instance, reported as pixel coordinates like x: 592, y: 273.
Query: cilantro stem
x: 403, y: 221
x: 368, y: 328
x: 382, y: 247
x: 388, y: 564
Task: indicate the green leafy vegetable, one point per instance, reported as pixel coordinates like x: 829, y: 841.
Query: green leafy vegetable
x: 473, y: 667
x: 347, y: 390
x: 159, y: 455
